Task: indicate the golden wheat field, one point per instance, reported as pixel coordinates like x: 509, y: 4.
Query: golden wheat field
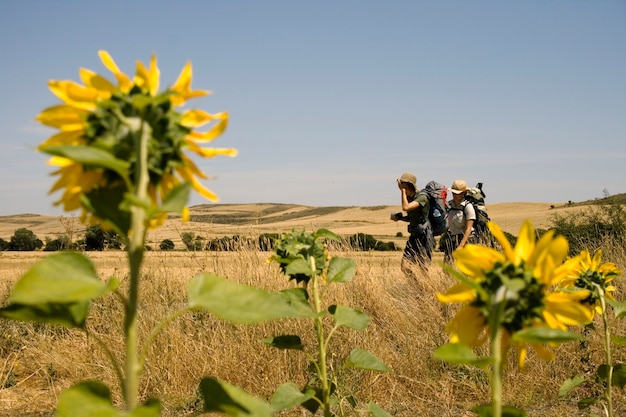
x: 38, y: 361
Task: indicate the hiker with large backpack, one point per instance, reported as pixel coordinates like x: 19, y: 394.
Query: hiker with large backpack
x: 426, y: 215
x: 476, y: 197
x: 461, y: 220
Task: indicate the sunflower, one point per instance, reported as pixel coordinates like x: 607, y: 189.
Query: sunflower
x: 593, y: 275
x: 518, y: 285
x: 95, y: 149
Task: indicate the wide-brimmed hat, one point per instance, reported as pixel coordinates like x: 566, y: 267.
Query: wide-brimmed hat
x: 458, y: 187
x: 410, y: 178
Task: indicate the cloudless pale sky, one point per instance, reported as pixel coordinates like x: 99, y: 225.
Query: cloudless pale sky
x: 330, y: 101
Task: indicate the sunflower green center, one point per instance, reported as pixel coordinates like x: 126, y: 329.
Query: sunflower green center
x: 591, y: 280
x: 515, y: 292
x: 107, y: 131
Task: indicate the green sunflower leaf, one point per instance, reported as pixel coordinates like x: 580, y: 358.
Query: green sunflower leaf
x: 298, y: 298
x: 570, y: 384
x: 57, y: 290
x: 544, y: 335
x: 349, y: 317
x: 300, y: 266
x: 460, y: 354
x: 619, y: 341
x: 285, y: 342
x: 362, y: 359
x: 341, y: 270
x: 288, y: 395
x: 88, y: 155
x: 176, y: 199
x: 223, y: 397
x: 239, y: 303
x: 376, y: 411
x: 486, y: 410
x: 59, y: 278
x: 325, y: 233
x: 585, y: 403
x: 88, y: 399
x: 67, y: 315
x: 110, y: 204
x: 619, y: 374
x: 619, y: 307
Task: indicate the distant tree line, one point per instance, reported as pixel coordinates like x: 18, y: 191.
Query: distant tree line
x: 598, y: 226
x: 95, y: 239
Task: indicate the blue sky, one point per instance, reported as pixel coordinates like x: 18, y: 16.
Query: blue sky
x: 330, y: 101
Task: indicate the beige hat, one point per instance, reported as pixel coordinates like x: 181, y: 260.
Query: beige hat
x: 458, y: 187
x: 410, y: 178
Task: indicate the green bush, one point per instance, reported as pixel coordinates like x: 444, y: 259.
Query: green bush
x: 97, y: 239
x: 365, y: 242
x: 192, y: 242
x: 225, y: 243
x: 24, y: 240
x: 166, y: 244
x: 60, y: 243
x: 267, y: 241
x: 598, y: 227
x: 385, y: 246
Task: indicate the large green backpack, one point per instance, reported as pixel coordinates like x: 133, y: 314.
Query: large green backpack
x: 476, y: 197
x: 438, y: 211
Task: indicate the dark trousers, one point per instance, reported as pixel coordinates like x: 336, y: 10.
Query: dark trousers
x: 419, y: 248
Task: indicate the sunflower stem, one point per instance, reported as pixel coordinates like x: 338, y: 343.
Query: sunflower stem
x: 136, y: 241
x: 607, y: 352
x: 323, y: 372
x: 496, y: 372
x: 499, y: 304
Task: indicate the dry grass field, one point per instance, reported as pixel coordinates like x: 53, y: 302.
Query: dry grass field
x: 37, y: 362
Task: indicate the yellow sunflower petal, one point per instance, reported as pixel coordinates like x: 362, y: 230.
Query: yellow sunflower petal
x: 122, y: 79
x: 148, y: 78
x: 213, y: 152
x: 191, y: 167
x: 187, y: 175
x: 182, y: 87
x: 543, y: 352
x: 67, y: 175
x: 185, y: 214
x: 196, y: 117
x: 585, y: 260
x: 97, y: 82
x: 203, y: 191
x: 501, y: 238
x: 74, y: 94
x: 467, y: 326
x: 566, y: 308
x: 60, y: 161
x: 211, y: 134
x: 597, y: 260
x: 566, y: 274
x: 62, y: 117
x: 522, y: 351
x: 525, y: 244
x: 458, y: 293
x: 474, y: 260
x: 548, y: 245
x: 67, y: 137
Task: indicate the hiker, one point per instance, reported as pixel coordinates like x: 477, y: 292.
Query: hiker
x: 420, y: 244
x: 461, y: 218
